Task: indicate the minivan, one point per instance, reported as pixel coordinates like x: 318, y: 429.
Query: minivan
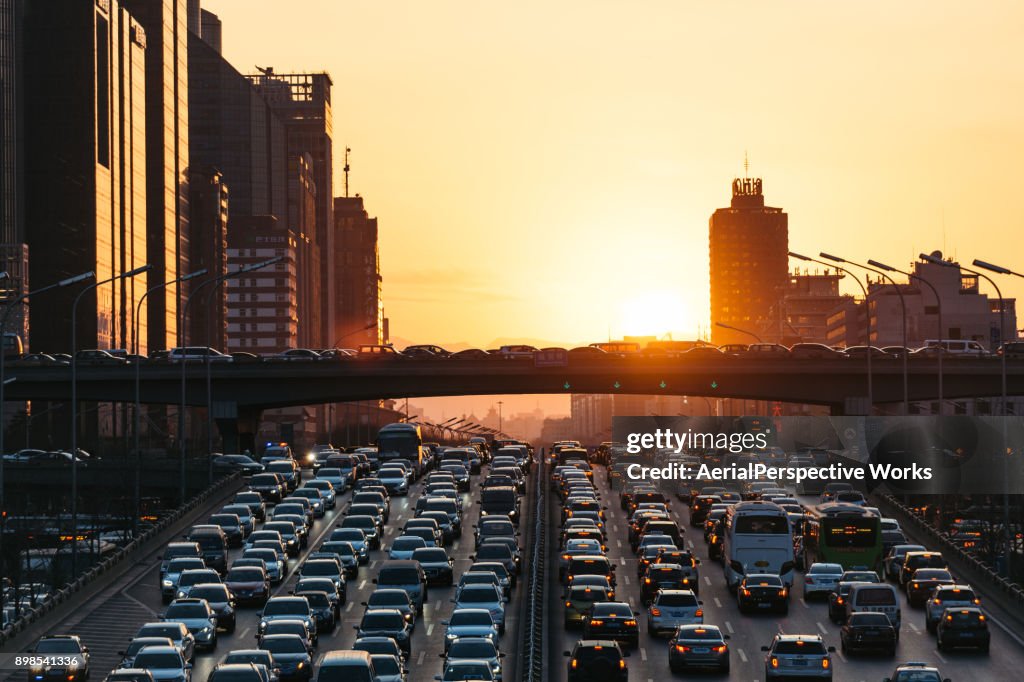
x: 404, y: 574
x: 346, y: 666
x: 213, y: 544
x: 876, y: 598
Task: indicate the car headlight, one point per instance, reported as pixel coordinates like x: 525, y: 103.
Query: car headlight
x: 168, y: 583
x: 181, y: 594
x: 301, y: 665
x: 205, y: 631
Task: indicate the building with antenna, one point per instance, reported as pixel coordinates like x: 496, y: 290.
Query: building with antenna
x: 749, y: 262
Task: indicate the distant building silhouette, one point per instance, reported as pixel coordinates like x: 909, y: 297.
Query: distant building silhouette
x: 749, y: 243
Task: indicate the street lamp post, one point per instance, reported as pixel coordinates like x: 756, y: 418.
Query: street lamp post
x: 867, y: 316
x: 183, y: 321
x: 23, y: 298
x: 137, y: 427
x: 903, y: 310
x: 737, y: 329
x: 938, y: 305
x: 74, y: 401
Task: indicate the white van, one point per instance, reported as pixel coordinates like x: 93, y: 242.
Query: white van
x: 877, y: 598
x: 957, y: 346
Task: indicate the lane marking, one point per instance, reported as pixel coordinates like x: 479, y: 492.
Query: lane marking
x: 804, y: 602
x: 728, y: 626
x: 690, y: 543
x: 623, y: 560
x: 362, y: 583
x: 707, y: 581
x: 430, y: 630
x: 437, y: 605
x: 643, y: 654
x: 244, y: 633
x: 618, y: 543
x: 348, y: 607
x: 626, y: 579
x: 914, y: 628
x: 822, y: 628
x: 718, y: 602
x: 939, y: 656
x: 419, y: 659
x: 839, y: 653
x: 743, y: 655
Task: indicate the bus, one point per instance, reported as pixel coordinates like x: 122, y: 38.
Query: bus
x: 757, y: 539
x: 402, y: 441
x: 845, y: 534
x: 618, y: 347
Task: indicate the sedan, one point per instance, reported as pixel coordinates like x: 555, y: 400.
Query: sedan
x: 469, y: 623
x: 387, y: 623
x: 483, y: 597
x: 475, y: 648
x: 612, y: 620
x: 762, y: 591
x: 698, y: 646
x: 198, y: 617
x: 924, y: 581
x: 293, y: 658
x: 164, y: 663
x: 821, y: 579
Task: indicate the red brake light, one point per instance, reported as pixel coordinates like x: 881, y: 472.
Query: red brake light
x: 775, y: 662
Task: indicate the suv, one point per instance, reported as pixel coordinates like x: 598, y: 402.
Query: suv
x: 915, y: 671
x: 797, y: 656
x: 963, y: 627
x: 947, y: 597
x: 70, y: 659
x: 597, y: 660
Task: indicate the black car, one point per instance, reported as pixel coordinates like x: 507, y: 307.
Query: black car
x: 698, y: 646
x: 759, y: 592
x: 387, y: 623
x: 663, y: 577
x: 925, y: 580
x: 293, y: 658
x: 597, y: 660
x: 612, y: 620
x: 229, y: 464
x: 963, y: 627
x: 63, y: 657
x: 867, y: 631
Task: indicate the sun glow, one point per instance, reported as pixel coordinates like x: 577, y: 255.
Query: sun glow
x: 657, y: 313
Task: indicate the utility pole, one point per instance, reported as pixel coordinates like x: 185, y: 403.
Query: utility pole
x: 346, y: 169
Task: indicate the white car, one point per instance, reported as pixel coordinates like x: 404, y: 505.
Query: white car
x: 821, y: 579
x: 672, y: 608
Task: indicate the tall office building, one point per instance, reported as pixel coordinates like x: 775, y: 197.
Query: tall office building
x: 209, y: 204
x: 749, y: 243
x: 85, y: 168
x: 358, y: 280
x: 303, y: 101
x: 167, y: 171
x: 13, y: 250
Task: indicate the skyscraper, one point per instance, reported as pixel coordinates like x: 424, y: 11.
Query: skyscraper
x: 303, y: 101
x: 749, y: 244
x: 166, y: 25
x: 360, y: 306
x: 13, y: 250
x: 85, y: 167
x: 210, y: 205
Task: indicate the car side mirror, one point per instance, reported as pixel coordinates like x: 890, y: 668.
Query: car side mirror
x: 501, y: 655
x: 725, y: 637
x: 188, y: 666
x: 626, y: 654
x: 831, y: 649
x: 120, y: 653
x: 764, y: 648
x: 566, y: 653
x: 374, y: 581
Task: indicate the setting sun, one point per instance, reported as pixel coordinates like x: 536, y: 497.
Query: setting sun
x: 657, y: 313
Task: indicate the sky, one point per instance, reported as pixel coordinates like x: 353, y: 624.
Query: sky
x: 546, y: 170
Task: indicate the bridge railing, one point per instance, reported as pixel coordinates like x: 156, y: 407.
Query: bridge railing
x: 131, y: 550
x: 534, y: 632
x: 1010, y: 590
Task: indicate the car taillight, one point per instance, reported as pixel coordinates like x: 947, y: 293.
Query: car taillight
x: 655, y: 611
x: 936, y: 601
x: 596, y: 622
x: 824, y: 663
x: 630, y: 623
x: 775, y: 662
x: 808, y: 580
x: 568, y: 604
x: 977, y: 601
x: 699, y: 613
x: 622, y: 664
x: 720, y: 649
x: 682, y: 649
x: 782, y: 592
x: 647, y: 581
x: 573, y: 663
x: 746, y: 592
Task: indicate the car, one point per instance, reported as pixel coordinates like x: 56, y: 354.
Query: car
x: 356, y: 537
x: 915, y: 560
x: 821, y: 579
x: 165, y: 663
x: 174, y: 631
x: 388, y: 668
x: 837, y: 598
x: 579, y: 599
x: 248, y: 584
x: 947, y: 597
x: 329, y: 568
x: 138, y: 644
x: 254, y: 501
x: 597, y: 660
x: 292, y: 656
x: 129, y: 675
x: 272, y: 562
x: 865, y: 631
x: 192, y: 577
x: 404, y: 546
x: 698, y: 646
x: 393, y: 598
x: 672, y: 608
x: 175, y: 567
x: 662, y: 577
x: 228, y: 464
x: 288, y: 626
x: 924, y: 581
x: 222, y: 603
x: 326, y: 490
x: 916, y: 671
x: 801, y: 656
x: 457, y: 671
x: 612, y: 620
x: 238, y: 672
x: 437, y: 566
x: 286, y: 608
x: 486, y: 597
x: 469, y: 622
x: 386, y: 623
x: 198, y: 617
x: 963, y: 627
x: 259, y: 657
x: 762, y: 591
x: 60, y: 657
x: 475, y: 649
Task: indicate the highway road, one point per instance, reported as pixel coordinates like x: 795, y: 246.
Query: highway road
x: 748, y: 633
x: 107, y: 627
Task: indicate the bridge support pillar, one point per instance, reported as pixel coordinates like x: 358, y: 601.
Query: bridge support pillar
x: 237, y: 425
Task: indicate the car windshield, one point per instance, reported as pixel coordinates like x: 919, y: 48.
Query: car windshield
x: 170, y: 630
x: 398, y: 576
x: 965, y: 618
x: 179, y: 565
x: 249, y: 657
x: 762, y: 581
x: 318, y: 599
x: 472, y: 649
x: 373, y: 621
x: 186, y: 611
x: 190, y: 578
x: 676, y: 599
x: 211, y: 593
x: 799, y: 647
x: 389, y: 598
x: 57, y: 646
x: 285, y: 607
x: 165, y: 660
x: 284, y: 645
x: 407, y: 543
x: 467, y: 671
x: 320, y: 568
x: 245, y: 575
x: 699, y: 633
x: 864, y: 619
x: 612, y: 610
x: 478, y: 594
x: 826, y: 568
x: 470, y: 618
x: 430, y: 555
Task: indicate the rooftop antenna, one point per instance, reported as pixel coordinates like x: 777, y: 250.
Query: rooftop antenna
x: 746, y: 165
x: 346, y: 169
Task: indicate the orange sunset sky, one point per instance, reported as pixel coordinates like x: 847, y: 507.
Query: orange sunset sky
x: 546, y: 170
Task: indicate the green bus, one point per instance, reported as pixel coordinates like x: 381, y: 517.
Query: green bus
x: 845, y: 534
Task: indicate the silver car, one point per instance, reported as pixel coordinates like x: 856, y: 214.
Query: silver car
x: 821, y: 579
x: 672, y: 608
x: 797, y: 656
x: 947, y: 597
x: 165, y: 663
x: 483, y: 597
x: 475, y: 649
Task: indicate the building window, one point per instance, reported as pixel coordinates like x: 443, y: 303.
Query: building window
x: 102, y: 92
